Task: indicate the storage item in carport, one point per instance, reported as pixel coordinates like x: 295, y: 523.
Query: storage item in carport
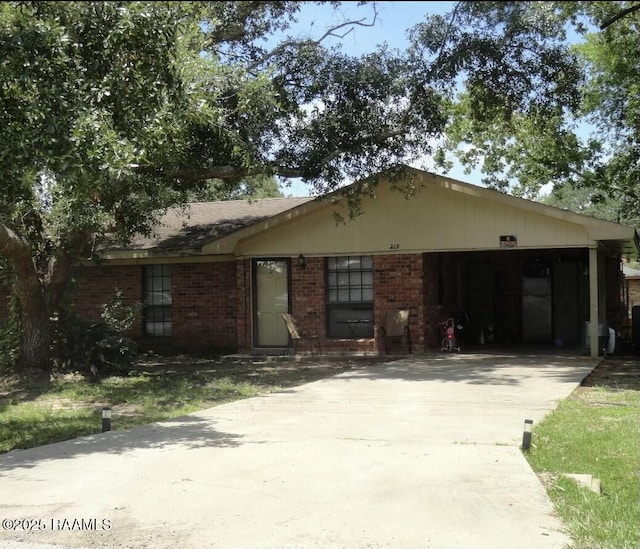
x: 635, y: 329
x: 606, y: 338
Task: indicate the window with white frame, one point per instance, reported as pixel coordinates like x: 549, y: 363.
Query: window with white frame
x: 157, y: 301
x: 349, y: 297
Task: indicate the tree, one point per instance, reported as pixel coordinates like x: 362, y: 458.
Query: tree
x: 252, y: 188
x: 584, y: 200
x: 110, y: 112
x: 521, y: 143
x: 86, y: 89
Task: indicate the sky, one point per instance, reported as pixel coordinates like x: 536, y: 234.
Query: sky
x: 392, y: 23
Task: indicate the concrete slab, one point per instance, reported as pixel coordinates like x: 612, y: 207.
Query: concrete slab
x: 422, y: 452
x: 586, y: 480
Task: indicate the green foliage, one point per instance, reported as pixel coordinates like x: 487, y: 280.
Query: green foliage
x: 11, y: 336
x: 87, y: 88
x: 95, y: 348
x: 118, y: 316
x: 252, y: 188
x: 535, y: 109
x: 591, y: 201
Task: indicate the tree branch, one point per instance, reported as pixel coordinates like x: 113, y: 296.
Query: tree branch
x: 231, y: 172
x: 12, y: 245
x: 383, y: 137
x: 61, y: 263
x: 219, y: 172
x: 238, y: 31
x: 331, y: 31
x: 622, y: 13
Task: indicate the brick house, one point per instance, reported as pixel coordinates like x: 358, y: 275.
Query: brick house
x: 631, y: 300
x: 218, y: 275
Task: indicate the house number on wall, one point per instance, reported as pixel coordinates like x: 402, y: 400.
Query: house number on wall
x: 394, y: 247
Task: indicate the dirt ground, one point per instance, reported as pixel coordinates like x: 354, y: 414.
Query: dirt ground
x: 616, y: 372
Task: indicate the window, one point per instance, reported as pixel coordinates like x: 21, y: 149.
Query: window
x: 350, y: 297
x: 157, y: 301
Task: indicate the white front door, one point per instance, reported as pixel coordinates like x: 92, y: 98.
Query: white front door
x: 271, y: 287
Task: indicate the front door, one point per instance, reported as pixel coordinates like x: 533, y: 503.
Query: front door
x: 271, y: 299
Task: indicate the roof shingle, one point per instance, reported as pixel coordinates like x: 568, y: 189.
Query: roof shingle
x: 190, y: 228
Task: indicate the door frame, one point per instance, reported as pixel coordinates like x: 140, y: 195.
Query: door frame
x: 254, y: 298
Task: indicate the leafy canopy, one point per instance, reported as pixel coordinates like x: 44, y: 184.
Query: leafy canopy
x: 112, y: 111
x: 589, y: 137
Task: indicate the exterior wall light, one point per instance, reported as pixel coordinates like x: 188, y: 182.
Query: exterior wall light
x: 302, y: 262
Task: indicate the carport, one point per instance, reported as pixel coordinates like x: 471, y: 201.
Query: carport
x: 535, y: 296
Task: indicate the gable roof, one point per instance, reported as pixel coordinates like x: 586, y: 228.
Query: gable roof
x: 222, y: 228
x: 442, y: 214
x: 183, y: 231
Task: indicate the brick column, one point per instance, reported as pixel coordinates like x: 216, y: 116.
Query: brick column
x: 399, y: 283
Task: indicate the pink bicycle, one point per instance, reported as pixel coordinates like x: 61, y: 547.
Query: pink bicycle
x: 449, y: 339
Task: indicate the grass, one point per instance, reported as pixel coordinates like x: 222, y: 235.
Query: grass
x: 595, y: 431
x: 40, y: 411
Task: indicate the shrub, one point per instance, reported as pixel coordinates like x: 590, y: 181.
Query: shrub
x: 97, y: 347
x: 11, y: 336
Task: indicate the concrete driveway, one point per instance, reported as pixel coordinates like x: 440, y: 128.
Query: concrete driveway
x: 418, y: 453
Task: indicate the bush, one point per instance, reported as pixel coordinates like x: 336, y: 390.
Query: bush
x: 94, y: 347
x: 11, y: 336
x: 119, y: 317
x: 97, y: 347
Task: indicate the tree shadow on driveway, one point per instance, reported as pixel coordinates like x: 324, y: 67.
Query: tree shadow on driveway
x: 487, y: 368
x: 189, y: 432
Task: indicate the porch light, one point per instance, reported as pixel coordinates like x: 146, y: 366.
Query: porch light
x: 302, y: 262
x: 526, y: 435
x: 106, y: 419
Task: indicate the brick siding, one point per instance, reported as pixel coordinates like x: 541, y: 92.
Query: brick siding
x: 398, y: 283
x: 431, y: 308
x: 243, y: 305
x: 203, y: 309
x: 212, y: 302
x: 204, y: 306
x: 92, y: 287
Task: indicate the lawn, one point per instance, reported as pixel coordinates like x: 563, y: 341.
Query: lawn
x: 39, y: 411
x: 595, y: 431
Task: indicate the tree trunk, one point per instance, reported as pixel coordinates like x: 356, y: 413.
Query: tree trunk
x: 39, y: 286
x: 36, y: 325
x: 36, y: 338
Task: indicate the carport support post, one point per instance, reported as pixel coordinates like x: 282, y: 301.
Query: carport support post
x: 593, y: 302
